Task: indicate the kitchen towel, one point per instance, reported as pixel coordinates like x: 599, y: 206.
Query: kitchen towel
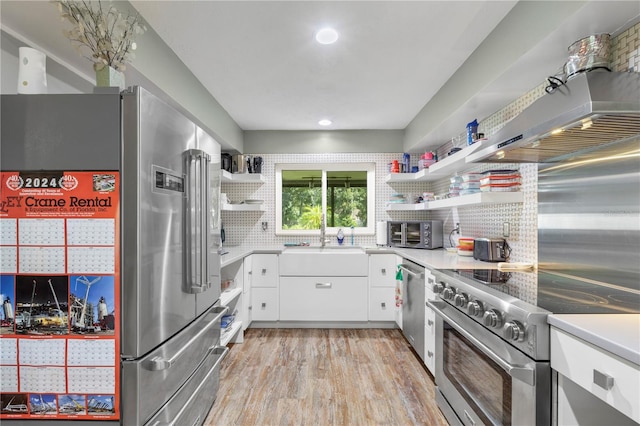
x: 399, y: 287
x: 381, y: 233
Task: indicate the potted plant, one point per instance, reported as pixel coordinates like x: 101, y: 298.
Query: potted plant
x: 106, y: 33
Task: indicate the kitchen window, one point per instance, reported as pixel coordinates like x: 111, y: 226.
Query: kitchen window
x: 343, y: 192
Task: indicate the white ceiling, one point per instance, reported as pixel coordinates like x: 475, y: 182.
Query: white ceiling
x: 259, y: 60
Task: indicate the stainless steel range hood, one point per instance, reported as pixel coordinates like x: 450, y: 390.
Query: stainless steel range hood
x: 592, y: 109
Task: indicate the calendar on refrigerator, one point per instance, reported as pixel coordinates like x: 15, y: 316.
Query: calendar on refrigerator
x: 59, y: 280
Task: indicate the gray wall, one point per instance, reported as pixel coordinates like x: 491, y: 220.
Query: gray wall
x: 155, y: 67
x: 448, y: 111
x: 300, y: 142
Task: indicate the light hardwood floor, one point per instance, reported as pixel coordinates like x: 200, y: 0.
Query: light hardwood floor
x: 324, y: 377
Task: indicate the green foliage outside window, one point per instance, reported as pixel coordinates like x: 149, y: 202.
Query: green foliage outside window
x: 302, y: 199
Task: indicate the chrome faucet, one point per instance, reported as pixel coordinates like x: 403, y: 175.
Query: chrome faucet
x: 323, y: 231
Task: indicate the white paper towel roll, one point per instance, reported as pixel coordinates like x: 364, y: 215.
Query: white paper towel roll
x: 381, y: 233
x: 32, y: 71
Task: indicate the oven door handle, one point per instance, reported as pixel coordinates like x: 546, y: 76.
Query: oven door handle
x: 524, y: 374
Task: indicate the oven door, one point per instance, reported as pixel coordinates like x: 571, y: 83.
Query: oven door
x: 483, y: 379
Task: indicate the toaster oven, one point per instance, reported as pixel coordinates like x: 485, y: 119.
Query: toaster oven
x: 422, y: 234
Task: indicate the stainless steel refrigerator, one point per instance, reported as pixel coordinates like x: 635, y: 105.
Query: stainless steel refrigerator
x: 160, y: 173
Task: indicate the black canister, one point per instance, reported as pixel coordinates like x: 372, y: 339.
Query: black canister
x: 257, y: 164
x: 226, y: 162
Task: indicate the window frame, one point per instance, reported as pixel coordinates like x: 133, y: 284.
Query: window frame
x: 368, y: 167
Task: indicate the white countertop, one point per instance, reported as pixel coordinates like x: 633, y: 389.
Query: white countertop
x: 434, y: 259
x: 441, y: 259
x: 615, y: 333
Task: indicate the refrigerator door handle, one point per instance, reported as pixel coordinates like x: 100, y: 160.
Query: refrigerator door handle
x: 197, y: 221
x: 158, y: 363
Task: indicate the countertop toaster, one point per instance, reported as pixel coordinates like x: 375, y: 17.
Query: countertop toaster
x: 491, y: 249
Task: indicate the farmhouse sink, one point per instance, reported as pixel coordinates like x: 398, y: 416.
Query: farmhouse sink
x: 336, y: 261
x: 325, y: 249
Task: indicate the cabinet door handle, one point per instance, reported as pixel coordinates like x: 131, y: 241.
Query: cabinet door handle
x: 603, y: 380
x: 384, y: 305
x: 264, y: 305
x: 264, y: 271
x: 429, y: 354
x: 323, y: 285
x: 383, y: 271
x: 430, y: 323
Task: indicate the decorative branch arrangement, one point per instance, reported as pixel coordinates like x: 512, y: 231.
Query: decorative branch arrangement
x: 104, y: 31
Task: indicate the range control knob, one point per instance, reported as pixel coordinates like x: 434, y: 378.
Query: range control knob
x: 514, y: 330
x: 475, y: 308
x: 461, y: 300
x: 492, y: 318
x: 437, y: 288
x: 448, y: 293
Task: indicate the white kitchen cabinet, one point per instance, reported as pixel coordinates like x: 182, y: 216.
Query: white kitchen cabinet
x: 382, y: 304
x: 264, y: 303
x: 593, y: 385
x: 382, y: 282
x: 264, y: 270
x: 327, y: 286
x: 382, y: 269
x: 429, y: 324
x: 323, y: 298
x: 263, y: 275
x: 247, y: 306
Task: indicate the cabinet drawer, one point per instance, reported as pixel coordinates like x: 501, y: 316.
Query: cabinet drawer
x: 382, y: 304
x: 323, y: 299
x: 430, y: 339
x: 585, y: 364
x: 382, y: 270
x: 264, y: 270
x: 264, y: 304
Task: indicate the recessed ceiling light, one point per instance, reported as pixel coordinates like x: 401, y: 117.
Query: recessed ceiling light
x: 326, y: 36
x: 324, y: 122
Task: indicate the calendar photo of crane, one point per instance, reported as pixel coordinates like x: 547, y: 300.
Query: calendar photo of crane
x: 7, y: 296
x: 92, y: 304
x: 42, y: 305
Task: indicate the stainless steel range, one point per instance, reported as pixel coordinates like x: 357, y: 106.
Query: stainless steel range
x: 492, y: 339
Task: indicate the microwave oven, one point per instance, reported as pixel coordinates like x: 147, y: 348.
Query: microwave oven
x: 421, y: 234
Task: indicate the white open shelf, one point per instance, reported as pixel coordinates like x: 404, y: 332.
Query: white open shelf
x: 228, y: 295
x: 406, y: 206
x: 463, y: 200
x: 242, y: 177
x: 243, y: 207
x: 230, y: 332
x: 444, y: 168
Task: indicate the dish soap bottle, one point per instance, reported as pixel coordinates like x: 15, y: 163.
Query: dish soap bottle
x: 340, y: 236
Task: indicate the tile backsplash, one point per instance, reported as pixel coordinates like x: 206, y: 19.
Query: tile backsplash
x: 245, y: 228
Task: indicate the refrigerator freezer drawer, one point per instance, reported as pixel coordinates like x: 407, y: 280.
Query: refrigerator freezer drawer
x: 192, y: 402
x: 149, y: 382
